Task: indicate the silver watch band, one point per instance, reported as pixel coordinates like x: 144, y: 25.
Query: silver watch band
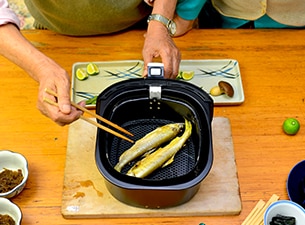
x: 168, y: 23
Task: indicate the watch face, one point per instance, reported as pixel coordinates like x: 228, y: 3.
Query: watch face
x: 172, y: 28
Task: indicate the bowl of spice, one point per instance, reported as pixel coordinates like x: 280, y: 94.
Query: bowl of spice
x: 13, y: 173
x: 284, y: 212
x: 10, y: 214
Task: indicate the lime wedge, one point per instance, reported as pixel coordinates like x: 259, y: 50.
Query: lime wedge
x: 187, y: 75
x: 81, y: 74
x: 92, y: 69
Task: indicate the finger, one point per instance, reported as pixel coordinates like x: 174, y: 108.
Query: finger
x: 171, y: 64
x: 167, y: 70
x: 64, y: 119
x: 82, y: 103
x: 167, y: 61
x: 176, y: 64
x: 63, y: 99
x: 54, y: 113
x: 145, y: 73
x: 147, y: 58
x: 60, y: 118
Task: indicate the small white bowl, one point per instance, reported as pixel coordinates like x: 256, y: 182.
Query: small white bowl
x: 9, y: 208
x: 285, y: 208
x: 14, y: 161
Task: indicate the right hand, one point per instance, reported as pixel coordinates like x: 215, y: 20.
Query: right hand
x: 57, y: 79
x: 42, y: 69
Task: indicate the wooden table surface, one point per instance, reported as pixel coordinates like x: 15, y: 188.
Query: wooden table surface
x: 272, y: 67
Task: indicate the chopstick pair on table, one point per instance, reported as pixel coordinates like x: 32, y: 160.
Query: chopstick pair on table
x: 95, y: 116
x: 256, y: 216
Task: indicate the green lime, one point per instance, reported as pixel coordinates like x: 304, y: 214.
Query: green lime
x: 291, y: 126
x: 92, y: 69
x: 81, y: 74
x: 187, y: 75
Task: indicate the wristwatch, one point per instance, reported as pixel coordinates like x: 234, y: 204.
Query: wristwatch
x: 168, y: 23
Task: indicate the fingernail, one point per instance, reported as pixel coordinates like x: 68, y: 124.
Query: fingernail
x: 66, y: 108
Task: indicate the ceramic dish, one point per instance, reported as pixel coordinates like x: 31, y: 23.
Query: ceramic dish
x: 13, y: 161
x: 207, y: 75
x: 296, y: 184
x: 9, y: 208
x: 285, y: 208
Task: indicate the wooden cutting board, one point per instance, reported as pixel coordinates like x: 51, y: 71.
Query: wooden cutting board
x: 86, y: 196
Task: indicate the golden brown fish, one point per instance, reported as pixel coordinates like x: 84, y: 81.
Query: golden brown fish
x: 161, y: 157
x: 150, y: 141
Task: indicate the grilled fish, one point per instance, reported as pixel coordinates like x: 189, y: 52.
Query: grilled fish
x: 162, y: 156
x: 150, y: 141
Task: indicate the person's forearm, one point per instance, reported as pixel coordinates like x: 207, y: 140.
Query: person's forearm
x: 44, y: 70
x: 17, y: 49
x: 165, y: 7
x: 183, y: 26
x: 168, y: 9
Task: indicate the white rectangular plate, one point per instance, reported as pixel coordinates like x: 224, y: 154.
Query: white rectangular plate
x: 207, y: 75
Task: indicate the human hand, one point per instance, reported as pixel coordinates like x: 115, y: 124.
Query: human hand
x: 158, y: 43
x: 42, y: 69
x: 56, y: 79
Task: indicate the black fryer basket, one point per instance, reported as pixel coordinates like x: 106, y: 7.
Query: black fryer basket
x: 140, y: 106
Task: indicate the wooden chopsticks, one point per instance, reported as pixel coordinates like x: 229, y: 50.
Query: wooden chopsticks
x: 256, y: 216
x: 95, y: 116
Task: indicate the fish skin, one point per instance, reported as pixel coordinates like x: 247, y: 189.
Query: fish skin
x: 150, y: 141
x: 162, y: 156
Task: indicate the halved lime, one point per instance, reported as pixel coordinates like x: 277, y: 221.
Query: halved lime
x: 92, y: 69
x: 291, y: 126
x: 81, y: 74
x: 186, y: 75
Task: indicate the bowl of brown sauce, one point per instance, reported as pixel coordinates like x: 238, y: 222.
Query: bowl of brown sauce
x: 13, y: 173
x: 10, y: 213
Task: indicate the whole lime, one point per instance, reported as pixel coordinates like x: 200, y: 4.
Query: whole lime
x: 291, y: 126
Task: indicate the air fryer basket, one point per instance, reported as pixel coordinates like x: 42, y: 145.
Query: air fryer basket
x: 140, y: 106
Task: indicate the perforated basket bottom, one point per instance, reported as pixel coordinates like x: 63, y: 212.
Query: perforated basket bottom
x: 184, y: 160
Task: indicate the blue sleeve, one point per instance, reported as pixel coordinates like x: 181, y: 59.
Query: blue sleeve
x: 189, y: 9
